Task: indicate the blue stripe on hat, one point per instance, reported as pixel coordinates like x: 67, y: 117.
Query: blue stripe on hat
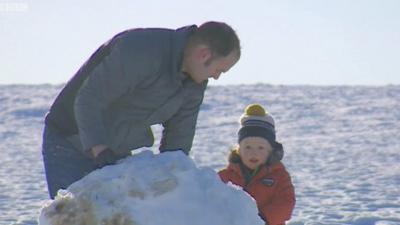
x: 256, y: 131
x: 259, y: 123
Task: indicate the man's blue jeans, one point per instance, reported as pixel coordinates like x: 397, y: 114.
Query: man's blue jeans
x: 63, y: 162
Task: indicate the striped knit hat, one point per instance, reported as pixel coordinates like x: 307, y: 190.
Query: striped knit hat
x: 256, y: 122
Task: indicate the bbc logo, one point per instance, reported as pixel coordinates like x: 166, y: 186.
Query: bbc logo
x: 13, y: 7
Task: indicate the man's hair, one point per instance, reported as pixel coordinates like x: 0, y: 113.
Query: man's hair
x: 218, y: 36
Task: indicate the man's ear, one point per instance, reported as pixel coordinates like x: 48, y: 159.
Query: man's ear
x: 203, y: 53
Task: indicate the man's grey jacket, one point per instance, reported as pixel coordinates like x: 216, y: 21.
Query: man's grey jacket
x: 130, y: 83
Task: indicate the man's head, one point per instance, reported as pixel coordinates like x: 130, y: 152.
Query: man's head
x: 213, y: 49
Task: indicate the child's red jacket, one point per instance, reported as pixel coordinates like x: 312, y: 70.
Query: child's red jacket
x: 271, y: 187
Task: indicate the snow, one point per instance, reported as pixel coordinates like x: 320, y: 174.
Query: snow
x: 341, y: 145
x: 152, y: 189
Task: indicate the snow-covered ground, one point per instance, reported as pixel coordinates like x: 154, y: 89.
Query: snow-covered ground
x: 342, y: 147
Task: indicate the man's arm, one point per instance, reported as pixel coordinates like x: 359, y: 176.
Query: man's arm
x: 179, y: 131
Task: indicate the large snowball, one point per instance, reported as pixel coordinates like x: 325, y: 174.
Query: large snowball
x: 148, y: 189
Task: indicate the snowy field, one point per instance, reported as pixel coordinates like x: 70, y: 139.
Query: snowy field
x: 342, y: 147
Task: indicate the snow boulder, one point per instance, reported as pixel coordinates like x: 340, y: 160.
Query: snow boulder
x: 151, y: 189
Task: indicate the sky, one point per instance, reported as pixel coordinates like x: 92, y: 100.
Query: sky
x: 285, y: 42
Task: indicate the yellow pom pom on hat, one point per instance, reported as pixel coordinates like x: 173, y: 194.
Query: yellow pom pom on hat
x: 256, y: 112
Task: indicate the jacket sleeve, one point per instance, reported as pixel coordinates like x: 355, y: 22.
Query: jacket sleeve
x: 281, y: 207
x: 178, y: 132
x: 114, y: 76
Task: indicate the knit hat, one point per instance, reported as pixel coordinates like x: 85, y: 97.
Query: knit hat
x: 256, y: 122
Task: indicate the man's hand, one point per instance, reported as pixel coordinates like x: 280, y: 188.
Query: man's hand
x: 96, y: 150
x: 103, y: 156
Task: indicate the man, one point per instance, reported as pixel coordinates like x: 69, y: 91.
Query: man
x: 139, y: 78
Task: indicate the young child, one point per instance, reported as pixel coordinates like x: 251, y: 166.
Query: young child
x: 256, y: 166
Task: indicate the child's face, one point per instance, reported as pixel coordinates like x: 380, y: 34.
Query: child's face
x: 254, y: 151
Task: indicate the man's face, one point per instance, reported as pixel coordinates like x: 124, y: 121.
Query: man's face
x: 203, y: 65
